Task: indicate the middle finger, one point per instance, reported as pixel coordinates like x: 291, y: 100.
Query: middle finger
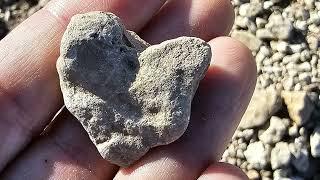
x: 205, y: 19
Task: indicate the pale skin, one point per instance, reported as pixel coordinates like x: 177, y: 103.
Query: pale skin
x: 30, y: 95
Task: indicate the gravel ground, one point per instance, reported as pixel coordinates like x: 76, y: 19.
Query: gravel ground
x: 279, y: 136
x: 13, y: 12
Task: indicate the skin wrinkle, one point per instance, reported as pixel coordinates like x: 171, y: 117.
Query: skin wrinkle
x: 18, y: 86
x: 74, y: 157
x: 28, y: 66
x: 218, y: 170
x: 83, y: 157
x: 57, y: 10
x: 11, y: 102
x: 201, y: 23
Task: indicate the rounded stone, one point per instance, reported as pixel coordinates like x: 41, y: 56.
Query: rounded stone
x: 128, y: 96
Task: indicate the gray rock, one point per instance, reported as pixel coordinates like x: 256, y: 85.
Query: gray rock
x: 247, y: 134
x: 263, y: 105
x: 301, y: 160
x: 304, y: 67
x: 314, y: 42
x: 291, y: 58
x: 250, y: 9
x: 293, y: 131
x: 297, y: 48
x: 242, y: 22
x: 277, y: 129
x: 282, y: 174
x: 268, y: 4
x: 315, y: 142
x: 265, y: 174
x: 300, y: 154
x: 128, y: 97
x: 280, y: 156
x: 265, y: 34
x: 258, y: 155
x: 281, y: 27
x: 239, y: 154
x: 295, y: 178
x: 247, y: 38
x: 280, y: 46
x: 299, y: 106
x: 253, y: 174
x: 260, y: 22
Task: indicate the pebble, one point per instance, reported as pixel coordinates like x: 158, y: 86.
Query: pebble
x: 280, y: 156
x: 281, y: 27
x: 287, y: 60
x: 240, y: 154
x: 253, y: 174
x: 295, y: 34
x: 247, y: 134
x: 297, y: 48
x: 265, y: 34
x: 247, y: 38
x: 278, y: 56
x: 282, y: 174
x: 268, y: 4
x: 260, y: 22
x: 275, y: 131
x: 280, y: 46
x: 300, y: 158
x: 124, y: 98
x: 263, y: 105
x: 315, y: 142
x: 250, y: 9
x: 258, y: 155
x: 294, y: 58
x: 288, y: 84
x: 299, y: 106
x: 304, y: 67
x: 293, y: 131
x: 242, y: 22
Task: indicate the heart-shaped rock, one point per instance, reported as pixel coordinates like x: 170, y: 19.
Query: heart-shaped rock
x: 129, y: 97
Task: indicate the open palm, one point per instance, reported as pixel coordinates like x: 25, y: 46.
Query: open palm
x: 30, y: 95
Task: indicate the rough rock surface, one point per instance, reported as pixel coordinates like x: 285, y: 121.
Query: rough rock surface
x: 280, y: 155
x: 263, y: 104
x: 276, y: 130
x: 288, y: 59
x: 128, y: 97
x: 258, y: 155
x: 248, y: 39
x: 315, y: 142
x: 280, y: 26
x: 299, y: 105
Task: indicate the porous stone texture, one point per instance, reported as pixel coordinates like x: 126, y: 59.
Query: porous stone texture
x: 129, y: 97
x: 252, y: 42
x: 280, y: 155
x: 287, y: 58
x: 263, y: 104
x: 315, y: 142
x: 276, y: 130
x: 258, y: 155
x: 299, y: 105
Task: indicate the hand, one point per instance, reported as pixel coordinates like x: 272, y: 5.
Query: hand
x: 30, y: 95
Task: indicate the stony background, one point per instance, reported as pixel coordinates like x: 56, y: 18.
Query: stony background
x: 279, y: 136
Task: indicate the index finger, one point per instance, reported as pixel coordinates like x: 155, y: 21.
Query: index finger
x: 29, y: 88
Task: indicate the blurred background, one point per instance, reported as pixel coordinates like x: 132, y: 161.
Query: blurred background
x: 279, y: 135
